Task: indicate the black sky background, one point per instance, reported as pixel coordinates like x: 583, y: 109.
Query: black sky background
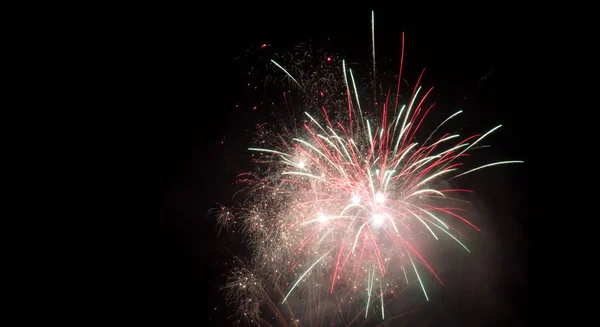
x: 198, y: 139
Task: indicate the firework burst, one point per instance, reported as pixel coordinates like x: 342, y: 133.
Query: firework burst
x: 343, y: 203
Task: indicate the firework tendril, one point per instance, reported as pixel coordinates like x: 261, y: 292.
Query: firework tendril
x: 343, y: 206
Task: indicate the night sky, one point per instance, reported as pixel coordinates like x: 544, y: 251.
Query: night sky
x: 199, y: 140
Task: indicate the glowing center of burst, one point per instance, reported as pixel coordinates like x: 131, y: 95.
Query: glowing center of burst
x: 379, y: 198
x: 301, y: 164
x: 377, y: 220
x: 356, y: 199
x: 323, y: 218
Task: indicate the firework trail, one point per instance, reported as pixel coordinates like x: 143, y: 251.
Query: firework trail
x: 342, y: 205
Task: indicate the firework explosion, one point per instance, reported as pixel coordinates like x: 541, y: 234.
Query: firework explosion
x: 341, y: 205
